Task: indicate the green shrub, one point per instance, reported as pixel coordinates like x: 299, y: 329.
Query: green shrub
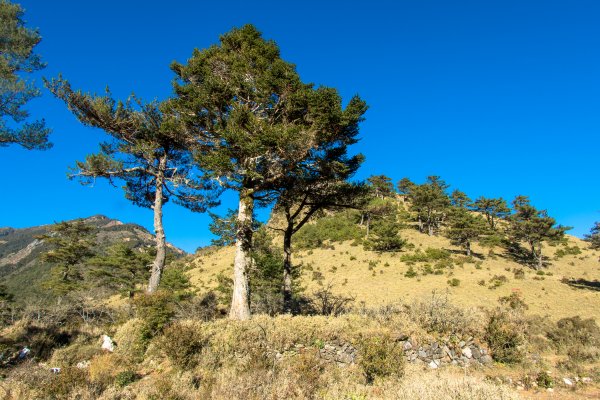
x: 125, y: 378
x: 454, y: 282
x: 514, y: 301
x: 385, y: 237
x: 429, y: 255
x: 505, y: 337
x: 380, y: 356
x: 544, y: 380
x: 411, y: 273
x: 497, y: 281
x: 335, y: 228
x: 155, y: 310
x: 182, y: 345
x: 567, y: 251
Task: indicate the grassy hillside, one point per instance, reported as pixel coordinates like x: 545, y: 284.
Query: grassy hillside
x: 570, y: 285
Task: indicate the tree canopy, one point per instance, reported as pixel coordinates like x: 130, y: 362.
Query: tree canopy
x: 253, y: 121
x: 17, y: 57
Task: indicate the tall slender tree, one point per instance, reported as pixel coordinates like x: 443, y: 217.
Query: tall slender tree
x: 146, y: 151
x: 17, y: 43
x: 253, y: 121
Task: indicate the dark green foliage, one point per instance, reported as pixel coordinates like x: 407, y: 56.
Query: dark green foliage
x: 125, y: 378
x: 464, y: 228
x: 460, y: 199
x: 594, y: 237
x: 17, y: 43
x: 182, y: 345
x: 410, y: 273
x: 567, y: 251
x: 334, y: 228
x: 380, y: 356
x: 493, y: 209
x: 122, y: 268
x: 255, y: 126
x: 533, y: 227
x: 24, y: 279
x: 145, y: 150
x: 4, y: 295
x: 175, y: 281
x: 156, y: 311
x: 381, y: 186
x: 505, y: 337
x: 405, y: 186
x: 266, y: 275
x: 385, y: 236
x: 454, y: 282
x: 384, y: 225
x: 71, y: 245
x: 430, y: 203
x: 544, y: 380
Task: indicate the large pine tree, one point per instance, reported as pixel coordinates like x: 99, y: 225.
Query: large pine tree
x: 146, y: 151
x: 253, y: 121
x: 17, y: 57
x: 534, y: 227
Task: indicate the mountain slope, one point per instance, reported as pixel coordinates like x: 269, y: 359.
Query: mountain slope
x: 570, y: 285
x: 21, y: 269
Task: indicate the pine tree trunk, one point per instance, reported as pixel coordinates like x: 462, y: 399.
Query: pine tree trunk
x: 430, y: 231
x: 159, y: 232
x: 287, y: 272
x: 368, y: 225
x: 420, y: 224
x: 468, y: 247
x: 240, y: 302
x: 540, y: 258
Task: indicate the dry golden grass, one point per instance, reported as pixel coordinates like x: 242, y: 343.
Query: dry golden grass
x: 347, y: 268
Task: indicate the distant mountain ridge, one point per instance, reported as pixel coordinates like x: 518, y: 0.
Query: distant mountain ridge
x: 20, y: 249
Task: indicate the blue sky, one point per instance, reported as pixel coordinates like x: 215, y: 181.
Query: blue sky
x: 500, y: 98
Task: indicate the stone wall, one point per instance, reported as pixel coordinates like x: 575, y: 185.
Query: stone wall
x: 447, y: 351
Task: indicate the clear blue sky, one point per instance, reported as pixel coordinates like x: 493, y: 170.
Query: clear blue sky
x: 500, y: 98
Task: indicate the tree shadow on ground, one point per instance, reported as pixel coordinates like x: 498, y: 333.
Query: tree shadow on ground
x: 583, y: 284
x: 517, y: 253
x: 478, y: 256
